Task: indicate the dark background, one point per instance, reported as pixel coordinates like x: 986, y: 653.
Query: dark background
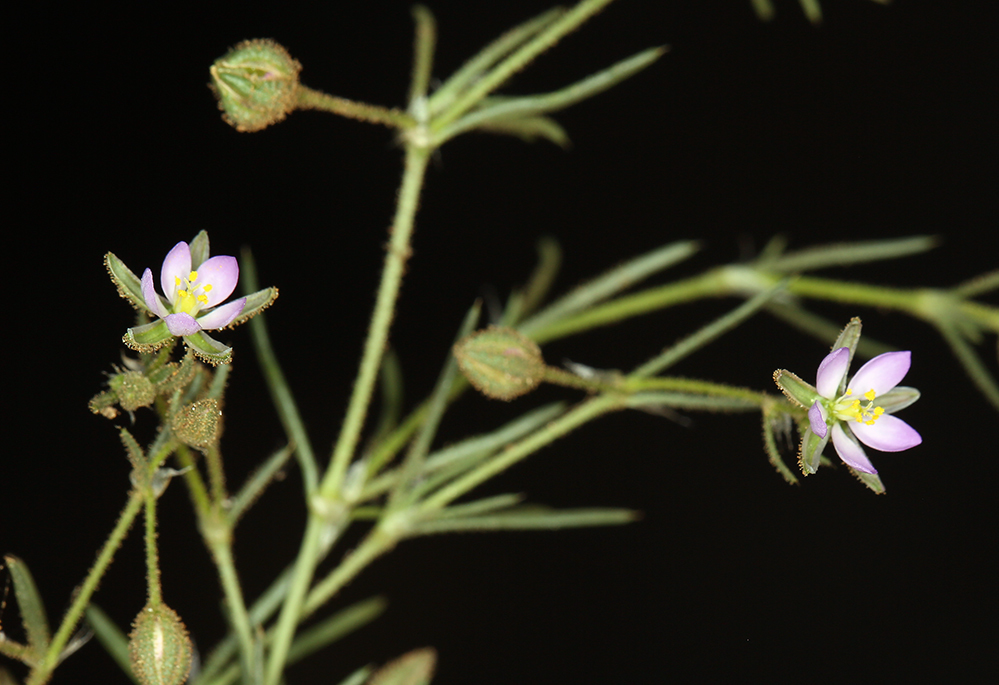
x: 879, y: 123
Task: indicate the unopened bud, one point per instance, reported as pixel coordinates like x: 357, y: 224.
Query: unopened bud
x: 159, y: 647
x: 134, y: 390
x: 197, y: 424
x: 500, y: 362
x: 256, y: 84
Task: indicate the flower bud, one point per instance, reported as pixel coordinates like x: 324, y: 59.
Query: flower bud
x: 197, y: 424
x: 500, y: 362
x: 256, y: 84
x: 134, y: 390
x: 159, y: 647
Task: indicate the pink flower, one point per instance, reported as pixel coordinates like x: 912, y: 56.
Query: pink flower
x: 865, y: 405
x: 192, y: 296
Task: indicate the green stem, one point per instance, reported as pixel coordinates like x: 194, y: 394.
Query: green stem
x: 152, y: 556
x: 381, y: 319
x: 81, y: 598
x: 238, y: 615
x: 315, y: 99
x: 327, y: 512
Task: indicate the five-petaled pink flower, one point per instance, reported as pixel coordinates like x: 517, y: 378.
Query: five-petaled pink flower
x: 865, y: 404
x: 193, y: 296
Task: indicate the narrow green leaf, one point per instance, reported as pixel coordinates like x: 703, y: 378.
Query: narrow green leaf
x: 474, y: 68
x: 506, y: 109
x: 973, y: 366
x: 693, y: 401
x: 707, y: 334
x: 812, y: 10
x: 338, y: 625
x: 844, y: 254
x: 529, y: 518
x: 135, y: 455
x: 609, y: 284
x: 423, y: 57
x: 15, y: 650
x: 821, y: 328
x: 775, y: 422
x: 114, y: 641
x: 529, y: 129
x: 412, y: 466
x: 979, y: 285
x: 358, y: 677
x: 29, y: 603
x: 543, y: 276
x: 390, y: 380
x: 481, y: 506
x: 257, y: 483
x: 414, y: 668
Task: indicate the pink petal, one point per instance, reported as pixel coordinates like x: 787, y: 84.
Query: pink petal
x: 177, y: 264
x: 817, y: 420
x: 850, y: 451
x: 222, y: 316
x: 888, y: 434
x: 182, y: 324
x: 222, y: 273
x: 882, y: 373
x: 831, y: 372
x: 150, y: 296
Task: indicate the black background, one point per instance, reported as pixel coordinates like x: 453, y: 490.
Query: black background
x: 879, y: 123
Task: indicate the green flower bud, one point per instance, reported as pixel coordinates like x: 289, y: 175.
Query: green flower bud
x: 159, y: 647
x: 134, y: 390
x: 197, y: 424
x: 500, y: 362
x: 256, y: 84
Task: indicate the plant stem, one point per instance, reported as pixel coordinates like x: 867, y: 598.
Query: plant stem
x: 43, y: 671
x: 327, y: 511
x: 316, y: 99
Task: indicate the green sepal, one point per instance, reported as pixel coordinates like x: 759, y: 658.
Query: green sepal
x: 255, y: 303
x: 796, y: 390
x: 810, y: 452
x: 29, y: 601
x: 148, y: 337
x: 129, y: 286
x: 848, y: 337
x: 199, y: 249
x: 871, y: 480
x: 413, y: 668
x: 208, y: 349
x: 335, y: 627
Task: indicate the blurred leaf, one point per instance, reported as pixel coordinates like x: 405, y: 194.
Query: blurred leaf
x: 338, y: 625
x: 607, y: 285
x: 258, y: 482
x: 845, y: 254
x: 412, y: 668
x: 29, y: 603
x: 529, y: 517
x: 114, y: 641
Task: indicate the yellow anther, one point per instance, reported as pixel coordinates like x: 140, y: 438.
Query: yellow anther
x: 176, y: 280
x: 208, y: 289
x: 203, y: 299
x: 870, y: 395
x: 193, y: 277
x: 182, y: 293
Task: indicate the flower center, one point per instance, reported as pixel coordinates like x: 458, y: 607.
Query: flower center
x: 848, y: 409
x: 191, y: 296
